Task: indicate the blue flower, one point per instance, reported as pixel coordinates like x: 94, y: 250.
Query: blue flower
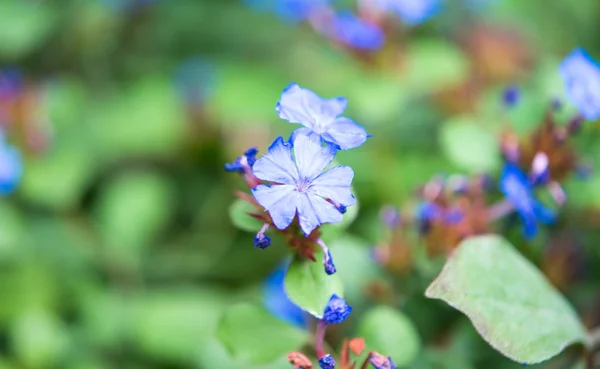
x: 581, y: 76
x: 327, y: 362
x: 355, y: 32
x: 299, y: 186
x: 511, y: 96
x: 11, y: 168
x: 244, y: 163
x: 262, y: 241
x: 289, y: 10
x: 411, y: 12
x: 277, y: 302
x: 519, y: 191
x: 381, y: 362
x: 336, y: 310
x: 320, y: 117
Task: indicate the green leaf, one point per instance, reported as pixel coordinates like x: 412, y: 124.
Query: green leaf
x: 253, y: 336
x: 309, y: 287
x: 390, y: 333
x: 510, y: 303
x: 24, y: 25
x: 238, y: 212
x: 469, y: 145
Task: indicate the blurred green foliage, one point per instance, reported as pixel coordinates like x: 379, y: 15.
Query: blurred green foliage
x: 118, y: 251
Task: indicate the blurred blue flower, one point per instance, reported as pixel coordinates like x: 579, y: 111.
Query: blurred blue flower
x: 195, y: 79
x: 299, y: 185
x: 355, y: 32
x: 336, y: 310
x: 411, y: 12
x: 381, y: 362
x: 289, y: 10
x: 11, y: 168
x: 511, y: 96
x: 277, y: 302
x: 581, y: 76
x: 320, y: 117
x: 10, y: 83
x: 327, y: 362
x: 519, y: 191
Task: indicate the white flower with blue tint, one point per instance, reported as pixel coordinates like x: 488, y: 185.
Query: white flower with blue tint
x: 581, y: 75
x: 299, y: 185
x: 410, y: 11
x: 320, y: 117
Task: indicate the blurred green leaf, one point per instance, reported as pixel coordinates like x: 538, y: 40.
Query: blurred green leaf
x: 39, y: 339
x: 134, y: 207
x: 144, y: 118
x: 238, y: 212
x: 469, y: 145
x: 433, y: 64
x: 12, y: 232
x: 214, y: 356
x: 253, y: 336
x: 508, y: 300
x: 390, y: 333
x: 309, y: 287
x: 24, y: 25
x: 330, y: 231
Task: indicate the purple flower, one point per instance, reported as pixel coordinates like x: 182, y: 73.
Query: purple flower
x: 336, y: 310
x: 320, y: 117
x: 300, y: 186
x: 327, y: 362
x: 519, y: 191
x: 277, y: 302
x: 355, y: 32
x: 381, y: 362
x: 581, y: 76
x: 410, y: 11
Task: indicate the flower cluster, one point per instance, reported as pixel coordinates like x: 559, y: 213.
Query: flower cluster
x: 454, y: 207
x: 291, y: 183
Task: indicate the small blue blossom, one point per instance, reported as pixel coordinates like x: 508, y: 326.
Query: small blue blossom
x: 289, y: 10
x: 355, y: 32
x: 327, y: 362
x: 11, y: 168
x: 519, y: 191
x: 244, y: 162
x: 511, y: 96
x: 277, y: 302
x: 299, y: 185
x: 411, y: 12
x: 581, y: 76
x: 320, y: 117
x: 262, y: 241
x: 336, y: 310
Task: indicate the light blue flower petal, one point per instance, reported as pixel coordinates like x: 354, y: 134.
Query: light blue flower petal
x: 300, y: 105
x: 280, y: 201
x: 303, y: 132
x: 277, y: 302
x: 314, y: 211
x: 345, y: 133
x: 277, y: 165
x: 11, y: 169
x: 581, y: 75
x: 311, y: 156
x: 334, y: 184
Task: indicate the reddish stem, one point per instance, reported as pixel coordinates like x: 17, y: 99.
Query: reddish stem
x: 320, y: 338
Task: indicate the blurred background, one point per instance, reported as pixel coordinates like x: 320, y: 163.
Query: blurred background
x: 117, y: 249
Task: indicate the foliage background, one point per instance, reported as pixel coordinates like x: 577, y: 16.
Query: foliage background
x: 117, y: 250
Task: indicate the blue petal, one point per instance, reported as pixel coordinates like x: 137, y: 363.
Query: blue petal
x: 518, y: 190
x: 335, y: 184
x: 336, y: 310
x: 311, y: 157
x: 300, y: 105
x: 411, y: 11
x: 303, y: 132
x: 345, y: 134
x: 314, y: 211
x: 11, y: 169
x: 277, y: 165
x: 280, y: 201
x: 357, y: 33
x: 581, y: 76
x: 277, y: 302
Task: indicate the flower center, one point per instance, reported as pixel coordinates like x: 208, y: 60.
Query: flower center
x: 302, y: 185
